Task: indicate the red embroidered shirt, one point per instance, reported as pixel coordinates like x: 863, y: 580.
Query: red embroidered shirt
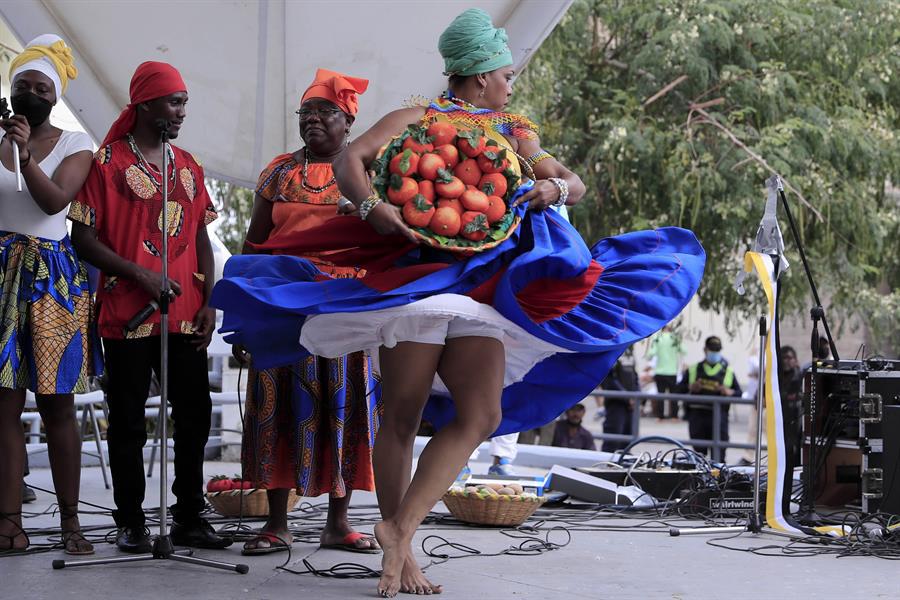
x: 122, y: 202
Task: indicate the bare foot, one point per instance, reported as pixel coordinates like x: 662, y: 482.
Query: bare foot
x: 413, y: 580
x: 392, y: 561
x: 267, y: 539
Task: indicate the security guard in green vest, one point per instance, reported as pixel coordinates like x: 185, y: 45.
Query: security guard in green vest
x: 710, y: 377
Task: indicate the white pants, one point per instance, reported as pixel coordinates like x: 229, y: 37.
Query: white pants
x: 505, y: 446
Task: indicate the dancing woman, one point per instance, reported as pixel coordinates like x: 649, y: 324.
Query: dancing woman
x: 500, y: 342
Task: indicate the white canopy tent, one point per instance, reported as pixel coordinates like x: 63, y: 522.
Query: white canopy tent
x: 246, y: 62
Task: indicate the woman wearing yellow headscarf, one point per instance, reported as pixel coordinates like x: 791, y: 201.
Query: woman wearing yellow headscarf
x: 45, y: 341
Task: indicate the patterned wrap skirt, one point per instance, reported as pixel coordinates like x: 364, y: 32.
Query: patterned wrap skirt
x: 311, y: 425
x: 47, y: 341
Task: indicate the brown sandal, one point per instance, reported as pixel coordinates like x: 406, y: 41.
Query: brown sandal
x: 71, y: 539
x: 10, y: 539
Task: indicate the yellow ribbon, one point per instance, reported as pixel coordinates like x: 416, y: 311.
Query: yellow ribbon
x: 58, y: 53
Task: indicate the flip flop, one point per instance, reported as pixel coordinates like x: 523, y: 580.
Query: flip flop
x: 75, y: 537
x: 276, y: 544
x: 348, y: 544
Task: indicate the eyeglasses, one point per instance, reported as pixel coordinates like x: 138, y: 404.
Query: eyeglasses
x: 323, y: 113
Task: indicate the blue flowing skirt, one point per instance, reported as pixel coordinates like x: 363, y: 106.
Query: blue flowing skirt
x: 590, y: 303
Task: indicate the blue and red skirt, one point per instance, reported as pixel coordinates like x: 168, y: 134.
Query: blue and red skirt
x: 565, y: 312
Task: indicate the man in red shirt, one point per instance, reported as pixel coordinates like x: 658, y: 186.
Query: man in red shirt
x: 117, y: 227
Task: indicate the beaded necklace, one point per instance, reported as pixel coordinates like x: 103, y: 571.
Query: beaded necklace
x: 457, y: 109
x: 305, y: 182
x: 149, y: 170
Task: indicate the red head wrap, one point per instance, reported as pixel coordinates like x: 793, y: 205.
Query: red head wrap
x: 151, y: 80
x: 340, y: 89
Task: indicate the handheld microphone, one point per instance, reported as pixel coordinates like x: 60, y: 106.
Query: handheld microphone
x: 144, y: 314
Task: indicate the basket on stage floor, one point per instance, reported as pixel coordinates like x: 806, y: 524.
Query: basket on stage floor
x: 507, y: 511
x: 255, y: 502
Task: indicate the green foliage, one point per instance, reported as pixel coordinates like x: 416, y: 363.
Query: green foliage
x: 811, y: 88
x: 235, y: 204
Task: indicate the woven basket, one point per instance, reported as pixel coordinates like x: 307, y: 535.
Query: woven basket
x: 255, y: 502
x: 491, y: 510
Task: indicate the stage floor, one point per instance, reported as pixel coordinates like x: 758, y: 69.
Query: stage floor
x: 609, y: 557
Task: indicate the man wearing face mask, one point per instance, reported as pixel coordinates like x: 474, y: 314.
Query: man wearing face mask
x: 710, y: 377
x: 117, y: 227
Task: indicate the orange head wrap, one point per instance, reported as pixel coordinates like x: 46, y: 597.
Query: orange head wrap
x: 340, y: 89
x: 151, y: 80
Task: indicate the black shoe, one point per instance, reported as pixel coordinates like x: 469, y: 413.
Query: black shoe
x: 199, y: 534
x: 134, y: 540
x: 28, y: 494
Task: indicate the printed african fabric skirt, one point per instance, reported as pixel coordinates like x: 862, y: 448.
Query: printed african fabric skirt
x: 311, y: 426
x: 564, y: 312
x: 46, y: 342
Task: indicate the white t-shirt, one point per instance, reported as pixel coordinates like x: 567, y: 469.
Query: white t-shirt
x: 18, y: 211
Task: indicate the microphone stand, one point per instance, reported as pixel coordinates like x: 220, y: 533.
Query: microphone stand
x: 754, y: 522
x: 162, y: 545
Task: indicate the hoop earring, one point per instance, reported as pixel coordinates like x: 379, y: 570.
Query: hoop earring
x: 347, y: 139
x: 481, y: 93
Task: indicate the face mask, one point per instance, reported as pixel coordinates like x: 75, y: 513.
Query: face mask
x: 35, y: 109
x: 713, y: 357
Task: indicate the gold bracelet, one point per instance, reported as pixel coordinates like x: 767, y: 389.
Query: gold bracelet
x: 367, y: 205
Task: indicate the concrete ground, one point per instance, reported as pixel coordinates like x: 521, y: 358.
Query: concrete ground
x: 609, y: 557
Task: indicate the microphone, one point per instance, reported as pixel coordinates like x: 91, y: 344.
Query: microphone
x: 163, y: 126
x: 144, y: 314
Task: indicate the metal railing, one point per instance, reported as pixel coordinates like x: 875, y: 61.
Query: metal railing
x: 716, y: 444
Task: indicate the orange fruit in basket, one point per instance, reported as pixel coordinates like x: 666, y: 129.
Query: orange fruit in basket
x: 453, y: 203
x: 445, y: 221
x: 449, y: 153
x: 426, y: 188
x: 404, y: 164
x: 429, y: 165
x: 441, y: 133
x: 474, y: 225
x: 492, y: 160
x: 418, y: 211
x: 417, y: 144
x: 448, y: 186
x: 496, y: 209
x: 472, y: 143
x: 401, y: 190
x: 473, y: 199
x: 468, y: 171
x: 493, y: 184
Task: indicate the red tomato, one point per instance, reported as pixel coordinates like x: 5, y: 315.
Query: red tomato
x: 448, y: 186
x: 474, y: 199
x: 429, y: 165
x: 401, y: 190
x: 493, y: 184
x: 446, y: 222
x: 474, y: 226
x: 418, y: 212
x: 449, y: 153
x: 441, y: 133
x: 426, y: 188
x: 496, y: 209
x: 468, y: 172
x: 404, y: 164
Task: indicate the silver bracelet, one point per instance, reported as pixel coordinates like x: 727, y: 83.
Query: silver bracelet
x: 367, y: 205
x: 563, y: 188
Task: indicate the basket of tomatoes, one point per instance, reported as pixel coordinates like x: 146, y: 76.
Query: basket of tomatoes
x: 234, y: 497
x: 452, y: 185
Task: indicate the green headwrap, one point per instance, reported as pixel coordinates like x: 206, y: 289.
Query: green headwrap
x: 472, y: 45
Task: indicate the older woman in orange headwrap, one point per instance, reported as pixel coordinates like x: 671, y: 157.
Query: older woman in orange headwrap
x: 310, y: 426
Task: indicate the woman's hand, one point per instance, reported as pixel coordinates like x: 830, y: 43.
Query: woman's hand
x: 240, y: 354
x: 543, y: 194
x: 386, y: 220
x: 18, y: 131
